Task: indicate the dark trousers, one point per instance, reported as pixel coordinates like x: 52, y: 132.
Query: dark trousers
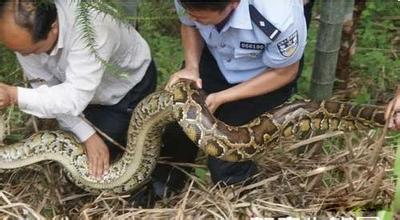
x: 235, y: 113
x: 114, y: 120
x: 242, y: 111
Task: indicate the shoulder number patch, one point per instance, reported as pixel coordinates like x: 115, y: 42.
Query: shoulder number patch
x: 252, y: 46
x: 288, y: 46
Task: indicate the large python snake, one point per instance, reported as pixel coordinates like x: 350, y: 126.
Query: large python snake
x: 185, y: 104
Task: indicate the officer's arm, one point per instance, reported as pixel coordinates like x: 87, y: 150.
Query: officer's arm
x: 193, y: 45
x: 270, y: 80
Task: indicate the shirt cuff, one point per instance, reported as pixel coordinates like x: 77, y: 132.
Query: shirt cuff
x: 24, y: 95
x: 83, y: 131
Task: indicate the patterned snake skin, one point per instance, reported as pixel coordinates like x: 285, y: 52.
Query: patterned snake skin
x: 185, y: 104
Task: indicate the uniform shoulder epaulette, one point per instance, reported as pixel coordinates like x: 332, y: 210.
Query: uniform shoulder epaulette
x: 269, y: 29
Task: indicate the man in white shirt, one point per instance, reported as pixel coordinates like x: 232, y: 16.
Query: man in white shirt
x: 68, y: 79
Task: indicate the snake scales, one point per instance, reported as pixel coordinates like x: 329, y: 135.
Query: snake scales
x: 184, y: 103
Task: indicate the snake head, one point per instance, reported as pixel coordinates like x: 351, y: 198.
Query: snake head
x: 188, y: 83
x: 182, y: 89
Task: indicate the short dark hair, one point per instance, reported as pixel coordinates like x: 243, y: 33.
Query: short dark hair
x: 36, y: 16
x: 213, y: 5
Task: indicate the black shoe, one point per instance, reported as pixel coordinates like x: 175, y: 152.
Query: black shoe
x: 162, y: 190
x: 150, y: 194
x: 144, y: 198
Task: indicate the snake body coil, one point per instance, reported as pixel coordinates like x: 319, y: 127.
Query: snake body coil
x: 185, y: 104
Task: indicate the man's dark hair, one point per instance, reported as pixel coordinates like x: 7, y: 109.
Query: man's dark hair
x: 36, y: 16
x: 213, y: 5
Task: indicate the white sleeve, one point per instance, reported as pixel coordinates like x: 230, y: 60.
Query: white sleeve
x: 182, y: 15
x: 39, y: 76
x: 288, y: 48
x: 66, y: 100
x: 35, y: 72
x: 83, y: 75
x: 76, y: 125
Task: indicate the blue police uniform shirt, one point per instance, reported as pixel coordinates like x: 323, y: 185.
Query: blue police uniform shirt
x: 242, y: 50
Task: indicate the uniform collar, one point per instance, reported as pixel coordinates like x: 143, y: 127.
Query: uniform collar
x: 240, y: 19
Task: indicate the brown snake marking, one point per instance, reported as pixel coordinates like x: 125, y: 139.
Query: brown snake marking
x: 291, y: 120
x: 185, y: 104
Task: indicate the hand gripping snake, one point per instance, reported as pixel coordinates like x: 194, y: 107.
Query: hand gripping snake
x: 184, y: 103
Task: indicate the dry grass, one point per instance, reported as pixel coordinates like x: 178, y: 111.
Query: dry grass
x: 345, y: 172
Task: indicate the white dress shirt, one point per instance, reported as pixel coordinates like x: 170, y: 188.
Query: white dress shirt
x: 73, y: 77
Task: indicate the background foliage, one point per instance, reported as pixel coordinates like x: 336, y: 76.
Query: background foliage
x: 375, y: 66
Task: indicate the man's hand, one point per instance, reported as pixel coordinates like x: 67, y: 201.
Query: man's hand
x: 213, y: 101
x: 394, y: 121
x: 8, y: 95
x: 186, y: 73
x: 98, y: 155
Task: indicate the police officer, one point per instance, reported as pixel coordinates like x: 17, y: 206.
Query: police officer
x: 245, y: 54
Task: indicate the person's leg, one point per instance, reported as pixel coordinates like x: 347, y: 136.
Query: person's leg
x: 222, y: 171
x: 114, y: 120
x: 235, y: 113
x: 165, y: 178
x: 113, y: 123
x: 177, y: 148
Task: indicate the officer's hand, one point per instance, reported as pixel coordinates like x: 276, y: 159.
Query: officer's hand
x: 213, y: 101
x: 98, y: 155
x: 394, y: 121
x: 8, y: 95
x: 186, y: 73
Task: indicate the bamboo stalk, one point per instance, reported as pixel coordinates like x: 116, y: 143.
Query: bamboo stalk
x: 327, y: 48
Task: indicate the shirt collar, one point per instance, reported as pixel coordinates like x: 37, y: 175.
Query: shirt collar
x: 58, y: 46
x: 241, y: 17
x: 61, y: 33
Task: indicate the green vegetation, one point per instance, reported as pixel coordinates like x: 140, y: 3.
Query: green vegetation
x: 9, y: 68
x: 375, y: 66
x: 159, y: 25
x: 378, y: 50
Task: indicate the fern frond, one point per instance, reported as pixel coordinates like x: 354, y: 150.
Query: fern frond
x: 85, y: 8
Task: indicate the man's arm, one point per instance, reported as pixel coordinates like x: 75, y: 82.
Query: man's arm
x: 394, y: 106
x: 96, y: 150
x: 49, y: 99
x: 264, y: 83
x: 192, y: 45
